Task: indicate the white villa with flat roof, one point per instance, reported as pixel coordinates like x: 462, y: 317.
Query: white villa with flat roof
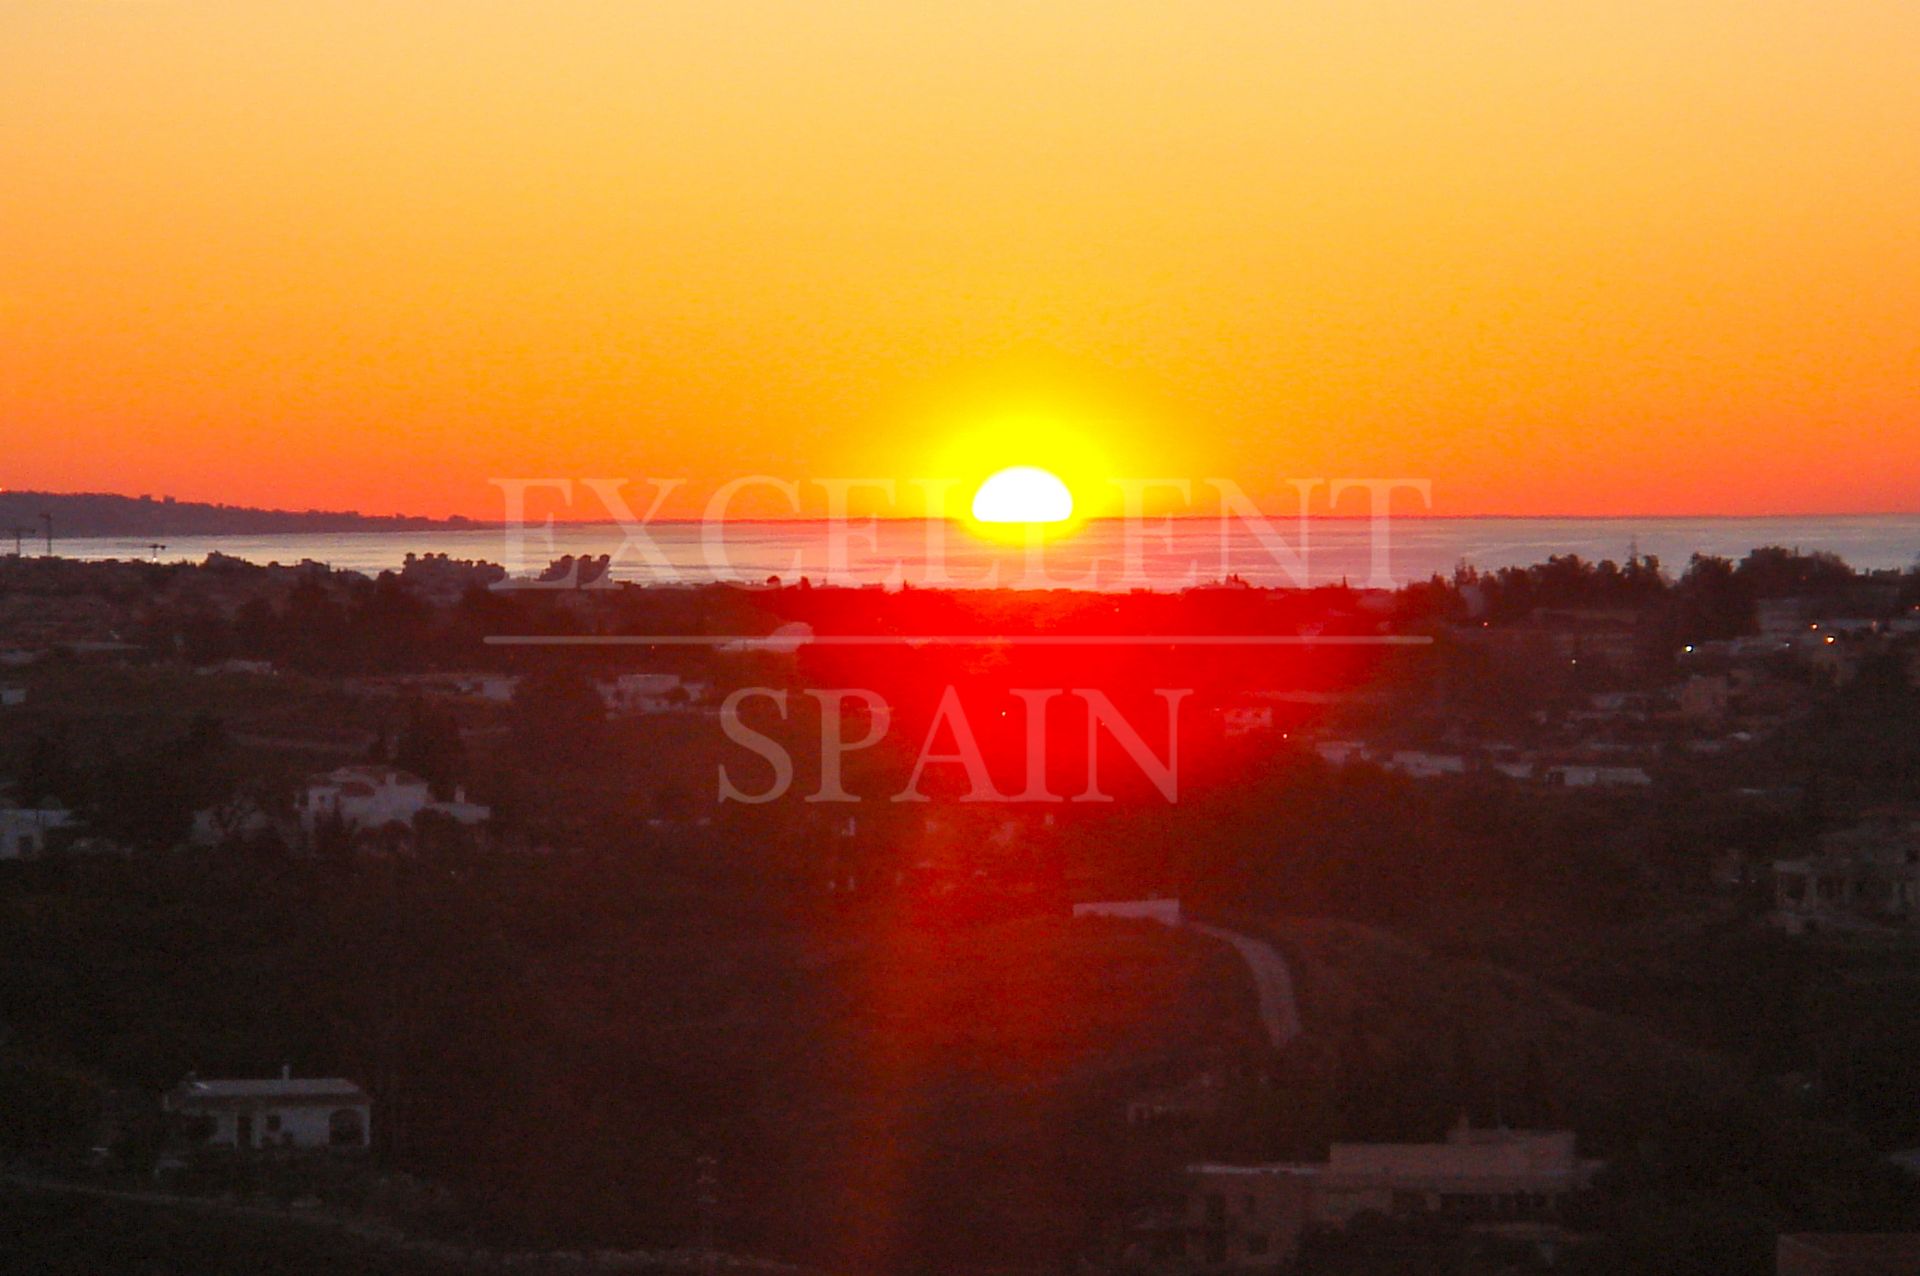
x: 373, y: 797
x: 280, y: 1112
x: 1164, y: 911
x: 642, y: 693
x: 24, y: 829
x: 1486, y: 1173
x: 1253, y: 1216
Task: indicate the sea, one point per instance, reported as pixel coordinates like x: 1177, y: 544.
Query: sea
x: 1107, y: 555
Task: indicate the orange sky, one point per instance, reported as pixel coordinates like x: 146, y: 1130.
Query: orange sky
x: 1587, y: 256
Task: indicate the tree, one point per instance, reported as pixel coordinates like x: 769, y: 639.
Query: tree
x: 47, y: 774
x: 1774, y: 572
x: 558, y: 717
x: 430, y: 746
x: 1714, y: 602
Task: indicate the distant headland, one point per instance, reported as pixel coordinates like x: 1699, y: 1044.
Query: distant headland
x: 88, y: 514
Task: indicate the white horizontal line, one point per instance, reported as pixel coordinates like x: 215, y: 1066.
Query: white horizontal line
x: 783, y: 642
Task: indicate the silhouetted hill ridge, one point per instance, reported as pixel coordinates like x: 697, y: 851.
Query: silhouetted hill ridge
x: 87, y: 514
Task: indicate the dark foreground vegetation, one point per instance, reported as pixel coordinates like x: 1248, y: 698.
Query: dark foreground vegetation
x: 876, y: 1023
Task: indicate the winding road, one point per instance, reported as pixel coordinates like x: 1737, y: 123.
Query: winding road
x: 1272, y: 981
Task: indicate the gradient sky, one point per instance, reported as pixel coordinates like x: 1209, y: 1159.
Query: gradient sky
x: 1566, y: 257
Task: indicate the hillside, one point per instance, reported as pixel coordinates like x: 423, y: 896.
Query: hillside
x: 89, y: 514
x: 1439, y: 1036
x: 1706, y: 1162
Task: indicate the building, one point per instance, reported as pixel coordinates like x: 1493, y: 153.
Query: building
x: 299, y: 1113
x: 1781, y: 617
x: 1835, y: 658
x: 1425, y: 766
x: 1245, y: 1216
x: 1848, y: 1254
x: 1481, y: 1174
x: 1570, y: 636
x: 636, y: 693
x: 1340, y: 752
x: 1245, y: 720
x: 494, y: 688
x: 1164, y: 911
x: 1586, y: 776
x: 1843, y: 891
x: 24, y: 829
x: 444, y: 580
x: 235, y: 665
x: 1705, y: 697
x: 1240, y: 1216
x: 1183, y: 1106
x: 1863, y: 876
x: 366, y: 798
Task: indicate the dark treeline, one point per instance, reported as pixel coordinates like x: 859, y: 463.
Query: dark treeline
x: 1712, y: 597
x: 343, y: 622
x: 310, y: 619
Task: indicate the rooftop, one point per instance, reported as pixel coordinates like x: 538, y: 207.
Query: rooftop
x: 269, y: 1089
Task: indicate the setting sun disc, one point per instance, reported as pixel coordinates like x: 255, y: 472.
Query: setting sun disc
x: 1023, y: 494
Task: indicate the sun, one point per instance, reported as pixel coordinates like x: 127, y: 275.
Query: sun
x: 1019, y: 475
x: 1022, y: 494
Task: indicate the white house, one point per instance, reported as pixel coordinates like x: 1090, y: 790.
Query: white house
x: 784, y: 641
x: 494, y: 688
x: 1251, y: 1217
x: 281, y: 1112
x: 1238, y: 1217
x: 373, y: 797
x: 461, y: 811
x: 1581, y: 776
x: 1863, y: 876
x: 256, y: 668
x: 632, y: 693
x: 1426, y: 766
x: 1246, y: 720
x: 1489, y: 1173
x: 23, y: 830
x: 1164, y: 911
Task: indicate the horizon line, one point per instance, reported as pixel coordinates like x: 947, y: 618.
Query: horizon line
x: 474, y: 523
x: 794, y: 642
x: 466, y: 524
